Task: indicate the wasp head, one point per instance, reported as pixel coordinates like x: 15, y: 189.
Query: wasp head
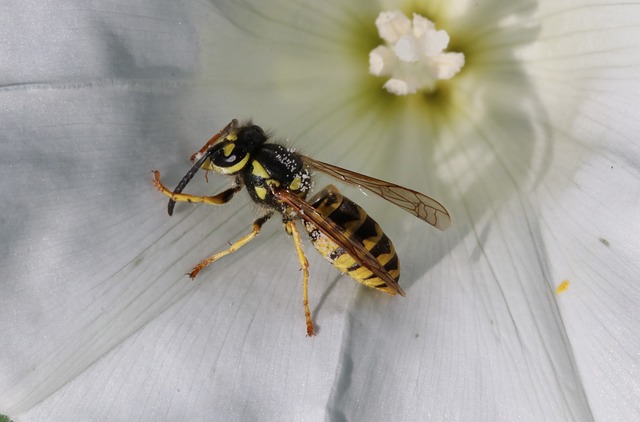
x: 227, y: 152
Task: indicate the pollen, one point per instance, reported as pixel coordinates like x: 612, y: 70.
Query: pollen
x: 563, y: 287
x: 413, y: 56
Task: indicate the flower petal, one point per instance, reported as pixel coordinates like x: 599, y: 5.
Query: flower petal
x: 524, y: 166
x: 590, y: 208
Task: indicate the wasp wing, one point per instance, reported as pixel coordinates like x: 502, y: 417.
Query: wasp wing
x: 335, y: 233
x: 416, y: 203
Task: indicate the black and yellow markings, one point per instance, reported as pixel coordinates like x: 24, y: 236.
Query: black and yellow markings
x: 230, y: 152
x: 296, y: 184
x: 358, y: 226
x: 259, y: 171
x: 261, y: 191
x: 279, y: 179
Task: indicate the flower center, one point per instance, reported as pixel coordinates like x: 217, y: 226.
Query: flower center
x: 413, y: 56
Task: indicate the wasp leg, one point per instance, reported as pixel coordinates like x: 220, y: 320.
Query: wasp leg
x: 219, y: 199
x: 291, y: 228
x: 255, y: 230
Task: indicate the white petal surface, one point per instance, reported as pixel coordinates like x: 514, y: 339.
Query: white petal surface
x: 590, y: 211
x: 538, y: 165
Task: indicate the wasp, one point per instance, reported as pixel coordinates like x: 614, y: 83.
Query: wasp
x: 279, y: 180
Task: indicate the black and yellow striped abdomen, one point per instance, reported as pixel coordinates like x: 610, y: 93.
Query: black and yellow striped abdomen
x: 358, y: 226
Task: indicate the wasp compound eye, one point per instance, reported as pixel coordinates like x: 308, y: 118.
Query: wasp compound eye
x: 228, y: 155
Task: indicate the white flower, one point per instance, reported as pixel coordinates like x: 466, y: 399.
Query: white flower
x: 415, y: 57
x: 531, y: 147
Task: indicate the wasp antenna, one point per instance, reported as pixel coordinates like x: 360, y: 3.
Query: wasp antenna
x: 187, y: 177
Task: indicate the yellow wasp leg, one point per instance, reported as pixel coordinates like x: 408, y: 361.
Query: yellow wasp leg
x: 219, y: 199
x: 255, y: 230
x: 304, y: 264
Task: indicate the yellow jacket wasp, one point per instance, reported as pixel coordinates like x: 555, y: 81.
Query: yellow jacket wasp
x: 279, y: 180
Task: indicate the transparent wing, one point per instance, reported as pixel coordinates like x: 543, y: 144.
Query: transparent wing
x: 416, y: 203
x: 334, y: 232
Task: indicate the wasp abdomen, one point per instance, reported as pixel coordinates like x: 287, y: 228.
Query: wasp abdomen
x: 358, y: 226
